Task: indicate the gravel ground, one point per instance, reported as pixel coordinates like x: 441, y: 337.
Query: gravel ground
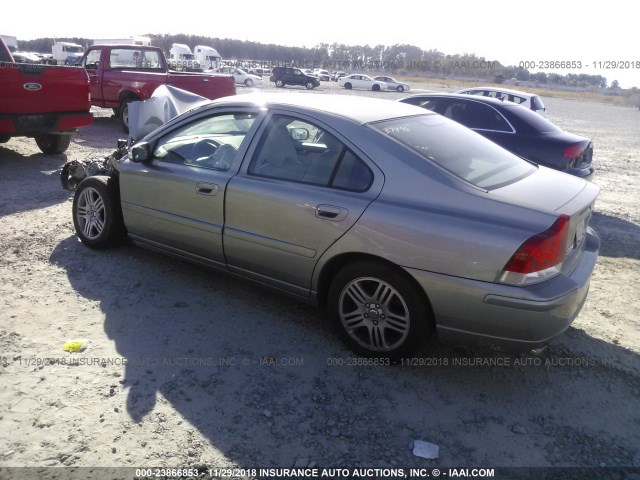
x: 187, y: 367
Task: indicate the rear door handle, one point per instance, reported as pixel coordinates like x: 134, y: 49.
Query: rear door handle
x: 331, y: 212
x: 207, y: 188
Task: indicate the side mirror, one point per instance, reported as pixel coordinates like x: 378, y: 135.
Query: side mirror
x: 140, y: 152
x: 300, y: 134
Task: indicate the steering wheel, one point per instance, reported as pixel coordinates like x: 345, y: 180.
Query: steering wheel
x: 224, y: 157
x: 203, y: 149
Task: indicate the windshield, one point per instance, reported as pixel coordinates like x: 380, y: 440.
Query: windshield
x: 458, y: 150
x: 73, y: 49
x: 187, y: 56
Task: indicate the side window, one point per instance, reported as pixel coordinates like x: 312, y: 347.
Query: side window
x: 471, y: 114
x: 296, y: 150
x: 210, y: 142
x: 499, y: 123
x: 352, y: 174
x: 92, y: 59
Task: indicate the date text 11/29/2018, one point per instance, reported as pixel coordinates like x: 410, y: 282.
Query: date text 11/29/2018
x: 578, y: 64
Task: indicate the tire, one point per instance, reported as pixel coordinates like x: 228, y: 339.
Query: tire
x: 97, y: 216
x: 248, y: 83
x: 400, y: 89
x: 124, y: 113
x: 378, y: 310
x: 310, y: 85
x: 347, y: 86
x: 116, y: 112
x: 376, y: 88
x: 279, y: 83
x: 5, y: 138
x: 52, y: 144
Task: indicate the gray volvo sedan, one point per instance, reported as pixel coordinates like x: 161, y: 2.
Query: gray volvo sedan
x: 397, y: 220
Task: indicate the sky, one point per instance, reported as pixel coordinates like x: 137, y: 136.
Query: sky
x: 507, y: 31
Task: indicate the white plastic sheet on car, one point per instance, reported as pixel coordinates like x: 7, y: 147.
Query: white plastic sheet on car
x: 166, y: 103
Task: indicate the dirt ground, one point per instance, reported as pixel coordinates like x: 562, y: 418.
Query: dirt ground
x: 187, y: 367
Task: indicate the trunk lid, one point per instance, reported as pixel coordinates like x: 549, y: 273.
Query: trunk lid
x: 558, y: 193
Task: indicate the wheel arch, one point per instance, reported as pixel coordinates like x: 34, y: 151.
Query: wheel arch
x: 330, y: 269
x: 129, y: 95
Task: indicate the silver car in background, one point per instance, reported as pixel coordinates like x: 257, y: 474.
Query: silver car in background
x: 398, y: 221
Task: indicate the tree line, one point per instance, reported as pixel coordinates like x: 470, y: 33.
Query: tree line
x: 395, y: 59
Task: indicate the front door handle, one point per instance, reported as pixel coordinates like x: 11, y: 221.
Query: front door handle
x: 331, y: 212
x: 204, y: 188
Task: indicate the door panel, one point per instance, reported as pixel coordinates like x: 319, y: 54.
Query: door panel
x: 177, y: 199
x: 282, y: 212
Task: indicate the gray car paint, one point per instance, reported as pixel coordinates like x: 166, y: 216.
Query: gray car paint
x: 452, y: 237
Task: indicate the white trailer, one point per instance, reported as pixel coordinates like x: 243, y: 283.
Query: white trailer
x: 208, y: 57
x: 67, y: 53
x: 181, y: 58
x: 135, y: 40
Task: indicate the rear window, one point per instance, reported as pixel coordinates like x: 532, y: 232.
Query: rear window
x: 458, y: 150
x: 132, y: 58
x: 528, y: 121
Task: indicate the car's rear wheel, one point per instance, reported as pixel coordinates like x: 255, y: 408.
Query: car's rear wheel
x: 4, y: 138
x: 248, y: 82
x: 279, y: 83
x: 347, y: 86
x: 376, y: 88
x: 52, y: 144
x: 378, y: 310
x: 400, y: 88
x: 97, y: 217
x: 310, y: 85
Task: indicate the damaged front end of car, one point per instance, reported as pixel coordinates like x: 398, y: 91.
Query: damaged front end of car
x: 166, y: 103
x: 77, y: 170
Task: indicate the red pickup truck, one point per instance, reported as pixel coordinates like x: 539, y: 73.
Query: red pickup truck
x: 41, y: 101
x: 120, y: 74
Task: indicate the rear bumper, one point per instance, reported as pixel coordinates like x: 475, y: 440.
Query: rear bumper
x: 515, y: 319
x: 585, y: 173
x: 37, y: 124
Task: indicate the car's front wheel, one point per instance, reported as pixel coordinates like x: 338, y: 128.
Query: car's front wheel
x: 400, y: 88
x: 376, y: 88
x: 248, y: 82
x: 378, y: 310
x: 97, y: 217
x: 279, y: 83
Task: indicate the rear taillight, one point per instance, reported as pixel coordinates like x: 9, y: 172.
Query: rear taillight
x: 540, y: 257
x: 579, y: 155
x: 573, y: 151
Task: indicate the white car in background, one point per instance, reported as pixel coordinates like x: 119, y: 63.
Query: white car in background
x: 323, y: 75
x: 393, y: 84
x: 361, y: 81
x: 529, y: 100
x: 240, y: 76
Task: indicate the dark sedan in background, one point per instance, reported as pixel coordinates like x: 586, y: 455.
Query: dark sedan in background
x: 516, y: 128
